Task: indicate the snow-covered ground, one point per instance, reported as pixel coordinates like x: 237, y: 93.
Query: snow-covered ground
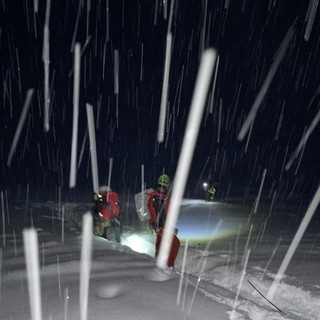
x: 214, y: 283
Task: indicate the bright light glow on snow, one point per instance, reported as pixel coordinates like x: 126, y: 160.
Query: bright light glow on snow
x: 140, y: 244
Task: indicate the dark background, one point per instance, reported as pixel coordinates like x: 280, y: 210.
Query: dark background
x: 246, y: 34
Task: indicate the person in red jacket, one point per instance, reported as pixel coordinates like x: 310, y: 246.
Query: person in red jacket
x: 158, y: 204
x: 107, y: 213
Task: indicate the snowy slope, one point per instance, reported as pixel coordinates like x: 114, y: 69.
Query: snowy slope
x: 121, y: 285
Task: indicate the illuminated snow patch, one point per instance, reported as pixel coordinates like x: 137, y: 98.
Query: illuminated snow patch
x: 200, y: 232
x: 140, y: 244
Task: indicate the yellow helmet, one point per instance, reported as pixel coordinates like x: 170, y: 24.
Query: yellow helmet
x: 164, y: 181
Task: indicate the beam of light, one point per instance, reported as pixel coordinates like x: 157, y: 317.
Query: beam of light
x: 76, y: 93
x: 311, y: 14
x: 31, y: 252
x: 85, y: 265
x: 93, y: 148
x: 188, y: 146
x: 22, y: 119
x: 164, y: 95
x: 294, y: 244
x: 303, y: 140
x: 265, y: 86
x: 46, y: 61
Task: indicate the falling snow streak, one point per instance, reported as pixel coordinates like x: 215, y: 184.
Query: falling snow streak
x: 141, y: 64
x: 303, y: 140
x: 35, y: 5
x: 164, y: 95
x: 22, y: 119
x: 76, y: 27
x: 66, y: 300
x: 7, y: 207
x: 295, y: 242
x: 155, y: 17
x: 214, y: 85
x: 182, y: 272
x: 271, y: 257
x: 203, y: 28
x: 46, y: 61
x: 170, y: 16
x: 260, y: 190
x: 62, y: 225
x: 232, y: 316
x: 109, y: 176
x: 0, y: 272
x: 116, y: 71
x: 107, y: 22
x: 88, y: 15
x: 245, y: 251
x: 202, y: 265
x: 3, y: 221
x: 191, y: 133
x: 265, y: 86
x: 311, y: 14
x: 18, y: 70
x: 93, y: 148
x: 76, y: 93
x: 85, y: 265
x: 142, y: 187
x: 31, y: 252
x: 82, y: 148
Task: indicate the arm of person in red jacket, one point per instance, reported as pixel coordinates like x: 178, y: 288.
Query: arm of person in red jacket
x: 151, y: 208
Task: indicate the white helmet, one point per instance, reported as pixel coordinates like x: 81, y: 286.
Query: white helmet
x: 104, y: 189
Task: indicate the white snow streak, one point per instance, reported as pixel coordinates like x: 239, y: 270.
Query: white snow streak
x: 191, y: 133
x: 31, y: 252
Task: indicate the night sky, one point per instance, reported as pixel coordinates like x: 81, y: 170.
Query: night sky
x: 246, y: 35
